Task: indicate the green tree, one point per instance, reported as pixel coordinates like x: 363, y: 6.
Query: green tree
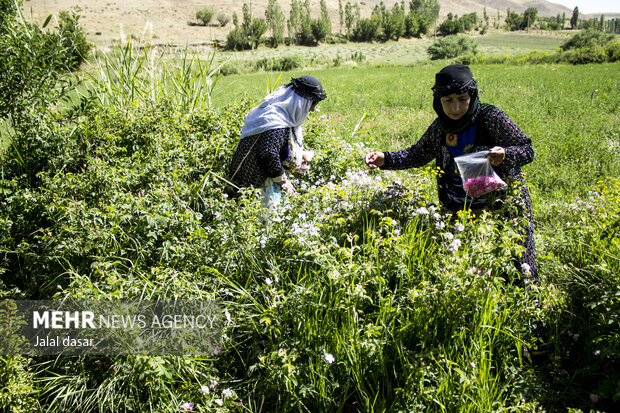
x: 514, y: 20
x: 468, y: 21
x: 395, y: 21
x: 305, y: 36
x: 327, y: 22
x: 574, y: 20
x: 222, y: 18
x: 412, y: 25
x: 246, y: 25
x: 350, y: 18
x: 205, y: 15
x: 529, y: 17
x: 275, y: 21
x: 449, y: 26
x: 367, y: 30
x: 428, y: 10
x: 259, y: 27
x: 295, y: 15
x: 341, y: 14
x: 320, y: 30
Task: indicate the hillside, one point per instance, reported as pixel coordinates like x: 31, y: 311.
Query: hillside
x: 173, y: 21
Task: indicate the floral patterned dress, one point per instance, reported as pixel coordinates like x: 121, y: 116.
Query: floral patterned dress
x: 491, y: 128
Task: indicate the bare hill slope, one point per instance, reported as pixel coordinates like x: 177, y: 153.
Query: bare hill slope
x: 174, y: 21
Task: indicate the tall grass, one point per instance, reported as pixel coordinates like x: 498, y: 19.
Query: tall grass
x: 132, y: 75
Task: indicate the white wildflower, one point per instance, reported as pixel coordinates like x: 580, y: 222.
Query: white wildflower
x: 421, y: 211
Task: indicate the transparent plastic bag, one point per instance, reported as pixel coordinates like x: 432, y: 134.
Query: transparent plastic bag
x: 479, y: 177
x: 272, y: 195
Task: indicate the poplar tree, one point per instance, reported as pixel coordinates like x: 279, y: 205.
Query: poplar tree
x: 275, y: 21
x: 341, y: 14
x: 575, y: 19
x: 325, y: 19
x: 295, y: 20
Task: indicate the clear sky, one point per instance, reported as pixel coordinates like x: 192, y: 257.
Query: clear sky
x: 591, y: 6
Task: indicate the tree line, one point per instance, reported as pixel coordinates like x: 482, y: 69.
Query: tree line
x: 412, y: 19
x: 401, y: 20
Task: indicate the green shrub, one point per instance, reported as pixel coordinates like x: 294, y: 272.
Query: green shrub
x: 584, y: 55
x: 587, y: 39
x: 205, y: 15
x: 582, y: 234
x: 229, y: 68
x: 237, y: 40
x: 73, y: 40
x: 358, y: 57
x: 223, y: 19
x: 281, y: 64
x: 613, y: 51
x: 33, y: 63
x: 451, y: 47
x: 19, y: 391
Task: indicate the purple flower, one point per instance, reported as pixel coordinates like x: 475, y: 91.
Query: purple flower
x: 213, y: 384
x: 186, y: 407
x: 217, y: 351
x: 593, y: 397
x: 597, y: 353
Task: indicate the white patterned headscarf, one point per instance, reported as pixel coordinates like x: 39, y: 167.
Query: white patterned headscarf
x: 282, y: 108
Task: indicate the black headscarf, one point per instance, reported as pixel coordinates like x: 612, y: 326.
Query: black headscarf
x: 455, y: 79
x: 308, y: 87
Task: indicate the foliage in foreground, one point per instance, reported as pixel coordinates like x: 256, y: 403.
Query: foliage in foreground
x: 33, y: 60
x: 359, y: 296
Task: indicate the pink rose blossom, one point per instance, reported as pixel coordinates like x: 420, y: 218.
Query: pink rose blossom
x: 481, y: 185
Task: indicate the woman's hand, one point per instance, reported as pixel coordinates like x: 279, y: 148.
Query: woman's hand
x: 375, y: 160
x: 496, y: 155
x: 288, y: 187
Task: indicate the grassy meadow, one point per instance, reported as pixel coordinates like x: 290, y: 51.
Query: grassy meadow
x: 361, y: 295
x: 403, y: 52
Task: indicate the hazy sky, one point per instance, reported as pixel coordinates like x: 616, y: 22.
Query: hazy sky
x: 591, y: 6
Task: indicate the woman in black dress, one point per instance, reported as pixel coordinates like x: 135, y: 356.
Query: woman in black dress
x: 271, y: 142
x: 464, y: 125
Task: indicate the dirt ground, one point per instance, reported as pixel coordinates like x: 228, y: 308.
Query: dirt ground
x: 107, y: 22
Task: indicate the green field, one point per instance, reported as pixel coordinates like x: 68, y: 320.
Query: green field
x: 403, y: 52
